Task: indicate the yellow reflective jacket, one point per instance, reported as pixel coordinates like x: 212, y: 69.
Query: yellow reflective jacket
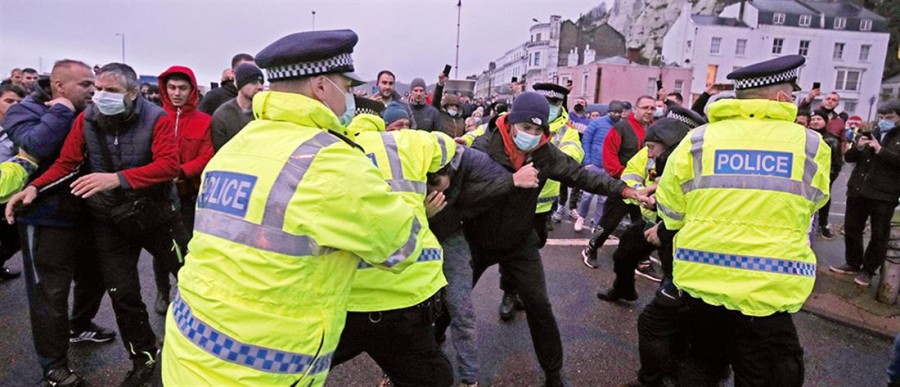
x: 742, y: 190
x: 565, y: 137
x: 639, y: 173
x: 286, y: 212
x: 404, y: 158
x: 14, y: 174
x: 365, y: 123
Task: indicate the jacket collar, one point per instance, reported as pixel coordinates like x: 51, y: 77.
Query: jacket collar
x: 296, y: 108
x: 725, y: 109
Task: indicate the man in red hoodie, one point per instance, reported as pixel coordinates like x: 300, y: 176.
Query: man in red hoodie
x: 180, y: 97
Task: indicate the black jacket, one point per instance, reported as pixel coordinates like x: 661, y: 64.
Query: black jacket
x: 215, y: 98
x: 876, y: 176
x: 507, y: 224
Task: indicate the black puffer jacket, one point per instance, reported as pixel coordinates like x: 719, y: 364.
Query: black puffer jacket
x: 509, y: 223
x: 876, y: 176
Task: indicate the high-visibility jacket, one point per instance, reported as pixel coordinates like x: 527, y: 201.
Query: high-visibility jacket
x: 640, y: 172
x: 365, y: 123
x: 286, y: 212
x: 565, y: 137
x: 742, y: 190
x: 404, y: 158
x: 14, y: 173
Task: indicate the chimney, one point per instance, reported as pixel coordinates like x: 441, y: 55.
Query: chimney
x: 741, y: 11
x: 633, y: 54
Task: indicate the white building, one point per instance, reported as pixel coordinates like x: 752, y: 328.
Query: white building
x: 527, y: 60
x: 845, y: 45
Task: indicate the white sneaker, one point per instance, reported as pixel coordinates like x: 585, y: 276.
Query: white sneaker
x: 579, y: 224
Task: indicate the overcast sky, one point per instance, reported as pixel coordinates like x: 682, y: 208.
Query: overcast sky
x: 413, y: 38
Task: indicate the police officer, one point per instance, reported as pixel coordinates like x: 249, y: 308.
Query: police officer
x: 286, y: 213
x: 742, y: 192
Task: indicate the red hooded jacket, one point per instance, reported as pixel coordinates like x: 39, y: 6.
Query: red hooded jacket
x: 191, y: 128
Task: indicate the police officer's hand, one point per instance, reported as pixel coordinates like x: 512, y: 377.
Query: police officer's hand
x: 434, y: 203
x: 652, y: 235
x: 88, y: 185
x: 526, y: 177
x: 19, y: 200
x: 460, y: 140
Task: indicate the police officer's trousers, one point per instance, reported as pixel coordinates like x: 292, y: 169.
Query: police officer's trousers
x: 633, y: 248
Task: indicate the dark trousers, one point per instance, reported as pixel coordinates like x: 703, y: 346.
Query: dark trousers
x: 880, y: 214
x: 762, y: 351
x: 118, y: 253
x: 401, y: 342
x: 661, y: 338
x: 824, y: 211
x: 161, y: 270
x: 9, y: 242
x: 523, y: 267
x: 614, y: 211
x: 53, y: 257
x: 540, y: 228
x: 633, y: 248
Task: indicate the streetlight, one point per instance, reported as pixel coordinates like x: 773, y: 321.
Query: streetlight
x: 123, y: 45
x: 535, y: 20
x: 458, y: 19
x: 314, y: 20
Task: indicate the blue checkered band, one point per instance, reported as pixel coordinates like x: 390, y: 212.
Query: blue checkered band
x: 550, y: 94
x: 231, y: 350
x: 427, y: 255
x: 769, y: 265
x: 771, y: 79
x: 340, y: 63
x: 549, y: 199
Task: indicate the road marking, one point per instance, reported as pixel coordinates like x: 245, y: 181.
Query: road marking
x: 578, y: 242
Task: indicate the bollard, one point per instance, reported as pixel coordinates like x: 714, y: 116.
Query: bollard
x: 890, y: 269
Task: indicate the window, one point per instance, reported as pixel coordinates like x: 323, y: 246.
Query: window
x: 584, y: 85
x: 849, y: 106
x: 688, y: 44
x: 538, y: 38
x: 847, y: 80
x: 865, y: 25
x: 838, y: 51
x: 741, y: 47
x: 840, y: 23
x: 805, y: 20
x: 679, y: 86
x: 777, y: 45
x: 715, y: 47
x: 710, y: 74
x: 778, y: 18
x: 804, y: 48
x: 651, y: 86
x: 537, y: 59
x: 864, y: 52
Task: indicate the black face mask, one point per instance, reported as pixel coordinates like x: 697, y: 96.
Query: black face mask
x: 579, y: 108
x: 615, y: 119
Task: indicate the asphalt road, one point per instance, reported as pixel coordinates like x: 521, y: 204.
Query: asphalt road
x: 599, y: 339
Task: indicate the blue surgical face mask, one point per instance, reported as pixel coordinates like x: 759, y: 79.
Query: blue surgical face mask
x: 526, y: 142
x: 349, y: 105
x: 554, y: 113
x: 659, y: 112
x: 108, y: 103
x: 885, y: 124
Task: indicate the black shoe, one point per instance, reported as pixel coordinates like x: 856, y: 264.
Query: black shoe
x: 554, y: 379
x: 650, y: 270
x: 94, y: 333
x: 508, y: 306
x: 61, y: 377
x: 6, y: 274
x: 826, y: 232
x: 613, y: 295
x: 141, y: 375
x: 589, y: 258
x: 162, y: 303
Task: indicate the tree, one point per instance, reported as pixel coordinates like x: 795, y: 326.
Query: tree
x: 890, y: 10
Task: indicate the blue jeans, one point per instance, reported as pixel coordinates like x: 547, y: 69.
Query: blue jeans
x: 586, y: 198
x: 458, y: 271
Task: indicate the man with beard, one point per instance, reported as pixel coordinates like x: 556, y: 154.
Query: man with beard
x: 215, y: 98
x: 52, y: 230
x: 425, y: 116
x: 128, y: 151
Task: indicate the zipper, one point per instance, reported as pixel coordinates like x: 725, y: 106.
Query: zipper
x: 177, y: 116
x: 116, y: 138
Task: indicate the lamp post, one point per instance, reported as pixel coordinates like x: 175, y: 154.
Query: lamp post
x: 123, y: 45
x: 314, y: 20
x: 458, y: 19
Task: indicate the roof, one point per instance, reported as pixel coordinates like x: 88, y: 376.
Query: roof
x: 843, y: 9
x: 705, y: 20
x: 782, y: 6
x: 614, y: 60
x: 894, y: 79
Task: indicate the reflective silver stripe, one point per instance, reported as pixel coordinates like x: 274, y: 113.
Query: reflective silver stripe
x: 232, y: 350
x: 569, y: 143
x: 697, y: 152
x: 408, y: 248
x: 561, y: 133
x: 443, y: 145
x: 427, y: 255
x: 257, y: 236
x: 290, y: 176
x: 632, y: 177
x: 669, y: 213
x: 810, y: 167
x: 548, y: 199
x: 397, y: 182
x: 403, y: 185
x: 766, y: 264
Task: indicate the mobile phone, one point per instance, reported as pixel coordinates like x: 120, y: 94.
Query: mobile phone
x: 658, y: 84
x: 447, y: 70
x: 725, y: 86
x: 817, y: 85
x: 515, y: 80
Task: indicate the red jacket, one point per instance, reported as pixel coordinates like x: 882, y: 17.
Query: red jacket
x: 162, y: 169
x: 190, y: 127
x: 624, y: 140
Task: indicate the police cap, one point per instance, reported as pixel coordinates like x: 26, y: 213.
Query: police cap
x: 687, y: 116
x: 784, y: 69
x: 305, y: 54
x: 551, y: 90
x: 368, y: 106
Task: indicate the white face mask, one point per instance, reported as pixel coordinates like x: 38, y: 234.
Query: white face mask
x: 109, y: 103
x: 452, y: 112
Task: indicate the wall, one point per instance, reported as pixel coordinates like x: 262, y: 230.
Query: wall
x: 623, y: 82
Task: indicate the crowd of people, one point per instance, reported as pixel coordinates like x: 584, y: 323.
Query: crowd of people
x: 306, y: 223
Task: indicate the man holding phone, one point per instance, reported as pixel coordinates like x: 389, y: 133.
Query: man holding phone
x: 828, y: 105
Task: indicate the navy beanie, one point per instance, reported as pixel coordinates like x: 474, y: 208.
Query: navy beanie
x: 393, y: 112
x: 246, y: 73
x: 532, y: 108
